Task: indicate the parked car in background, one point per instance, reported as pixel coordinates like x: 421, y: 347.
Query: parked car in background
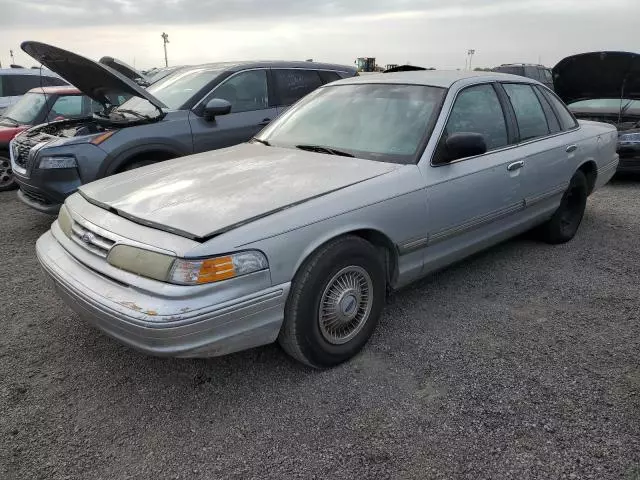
x: 193, y: 110
x: 537, y: 72
x: 362, y: 187
x: 605, y: 87
x: 156, y: 74
x: 126, y: 70
x: 15, y: 82
x: 37, y: 106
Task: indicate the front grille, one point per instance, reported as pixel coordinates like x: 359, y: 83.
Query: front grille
x: 91, y: 240
x: 21, y: 152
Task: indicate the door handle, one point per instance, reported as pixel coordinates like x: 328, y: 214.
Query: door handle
x: 264, y: 122
x: 572, y: 148
x: 515, y: 165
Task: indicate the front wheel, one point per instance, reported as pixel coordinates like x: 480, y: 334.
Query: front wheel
x: 7, y: 181
x: 564, y: 223
x: 335, y: 303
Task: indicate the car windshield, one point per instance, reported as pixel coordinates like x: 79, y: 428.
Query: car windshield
x: 606, y: 103
x: 27, y: 109
x: 384, y: 122
x: 174, y: 90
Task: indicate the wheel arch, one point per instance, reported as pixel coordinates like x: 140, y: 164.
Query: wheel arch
x: 374, y: 236
x: 162, y: 151
x: 590, y: 170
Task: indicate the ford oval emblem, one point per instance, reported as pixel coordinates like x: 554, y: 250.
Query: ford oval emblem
x: 87, y: 237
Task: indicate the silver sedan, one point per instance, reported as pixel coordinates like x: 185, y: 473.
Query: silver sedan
x: 362, y: 187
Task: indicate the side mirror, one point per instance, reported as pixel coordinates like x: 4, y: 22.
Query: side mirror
x: 215, y: 107
x: 463, y: 145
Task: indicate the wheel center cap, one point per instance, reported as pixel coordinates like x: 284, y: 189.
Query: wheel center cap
x: 349, y: 305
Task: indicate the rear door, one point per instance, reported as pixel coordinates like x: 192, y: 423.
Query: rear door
x: 251, y: 110
x: 550, y: 148
x: 291, y: 85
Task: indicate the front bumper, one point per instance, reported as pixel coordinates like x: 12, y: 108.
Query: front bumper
x: 46, y: 190
x: 125, y: 313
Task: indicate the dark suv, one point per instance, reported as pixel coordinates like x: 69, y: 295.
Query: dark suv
x: 195, y: 109
x: 537, y: 72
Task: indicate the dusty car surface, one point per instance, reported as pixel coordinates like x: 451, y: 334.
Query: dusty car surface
x: 362, y: 187
x: 605, y: 87
x: 191, y: 110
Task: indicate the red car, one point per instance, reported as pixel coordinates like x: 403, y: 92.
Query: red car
x: 39, y: 105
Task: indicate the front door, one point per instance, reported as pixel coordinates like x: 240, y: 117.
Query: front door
x: 247, y: 92
x: 473, y: 202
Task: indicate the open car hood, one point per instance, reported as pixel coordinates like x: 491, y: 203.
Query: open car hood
x: 126, y: 70
x: 212, y: 192
x: 598, y: 75
x: 95, y: 80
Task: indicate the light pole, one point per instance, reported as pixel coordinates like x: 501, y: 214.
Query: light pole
x: 470, y: 54
x: 165, y: 39
x: 13, y: 61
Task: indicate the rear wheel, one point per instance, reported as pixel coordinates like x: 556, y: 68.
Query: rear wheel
x: 335, y: 303
x: 7, y: 181
x: 564, y: 223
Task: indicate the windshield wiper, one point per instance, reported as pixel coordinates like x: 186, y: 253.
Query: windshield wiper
x: 15, y: 122
x: 263, y: 142
x: 321, y: 149
x: 134, y: 113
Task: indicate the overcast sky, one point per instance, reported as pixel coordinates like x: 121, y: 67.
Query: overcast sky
x: 434, y: 33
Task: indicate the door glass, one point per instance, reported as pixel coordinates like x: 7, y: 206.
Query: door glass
x: 328, y: 77
x: 246, y: 91
x: 67, y: 107
x: 532, y: 72
x: 566, y: 119
x: 529, y: 114
x: 292, y: 85
x: 20, y: 84
x: 478, y: 110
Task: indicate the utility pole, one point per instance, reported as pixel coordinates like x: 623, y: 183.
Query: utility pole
x: 165, y: 39
x: 470, y: 53
x: 13, y: 61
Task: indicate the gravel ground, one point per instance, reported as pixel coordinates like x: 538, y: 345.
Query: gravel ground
x: 519, y: 363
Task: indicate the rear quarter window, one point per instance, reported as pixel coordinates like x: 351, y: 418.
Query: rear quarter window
x: 567, y: 120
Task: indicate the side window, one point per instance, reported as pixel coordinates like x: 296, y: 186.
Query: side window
x: 245, y: 91
x: 53, y: 82
x: 478, y: 110
x: 20, y: 84
x: 532, y: 72
x: 67, y: 107
x: 328, y: 77
x: 567, y: 121
x: 531, y: 120
x: 547, y: 77
x: 292, y: 85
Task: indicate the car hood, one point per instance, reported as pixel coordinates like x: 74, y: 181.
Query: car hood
x: 126, y: 70
x: 93, y: 79
x: 598, y: 75
x: 206, y: 194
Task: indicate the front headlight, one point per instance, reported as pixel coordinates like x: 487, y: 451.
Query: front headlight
x: 166, y: 268
x: 629, y: 137
x: 195, y: 272
x: 57, y: 162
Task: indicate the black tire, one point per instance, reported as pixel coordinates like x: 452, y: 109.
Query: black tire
x: 7, y: 180
x: 302, y: 335
x: 564, y: 223
x: 138, y: 164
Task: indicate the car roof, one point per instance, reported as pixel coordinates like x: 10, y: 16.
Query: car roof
x: 27, y: 71
x: 521, y: 65
x: 435, y: 78
x: 61, y: 90
x: 243, y: 65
